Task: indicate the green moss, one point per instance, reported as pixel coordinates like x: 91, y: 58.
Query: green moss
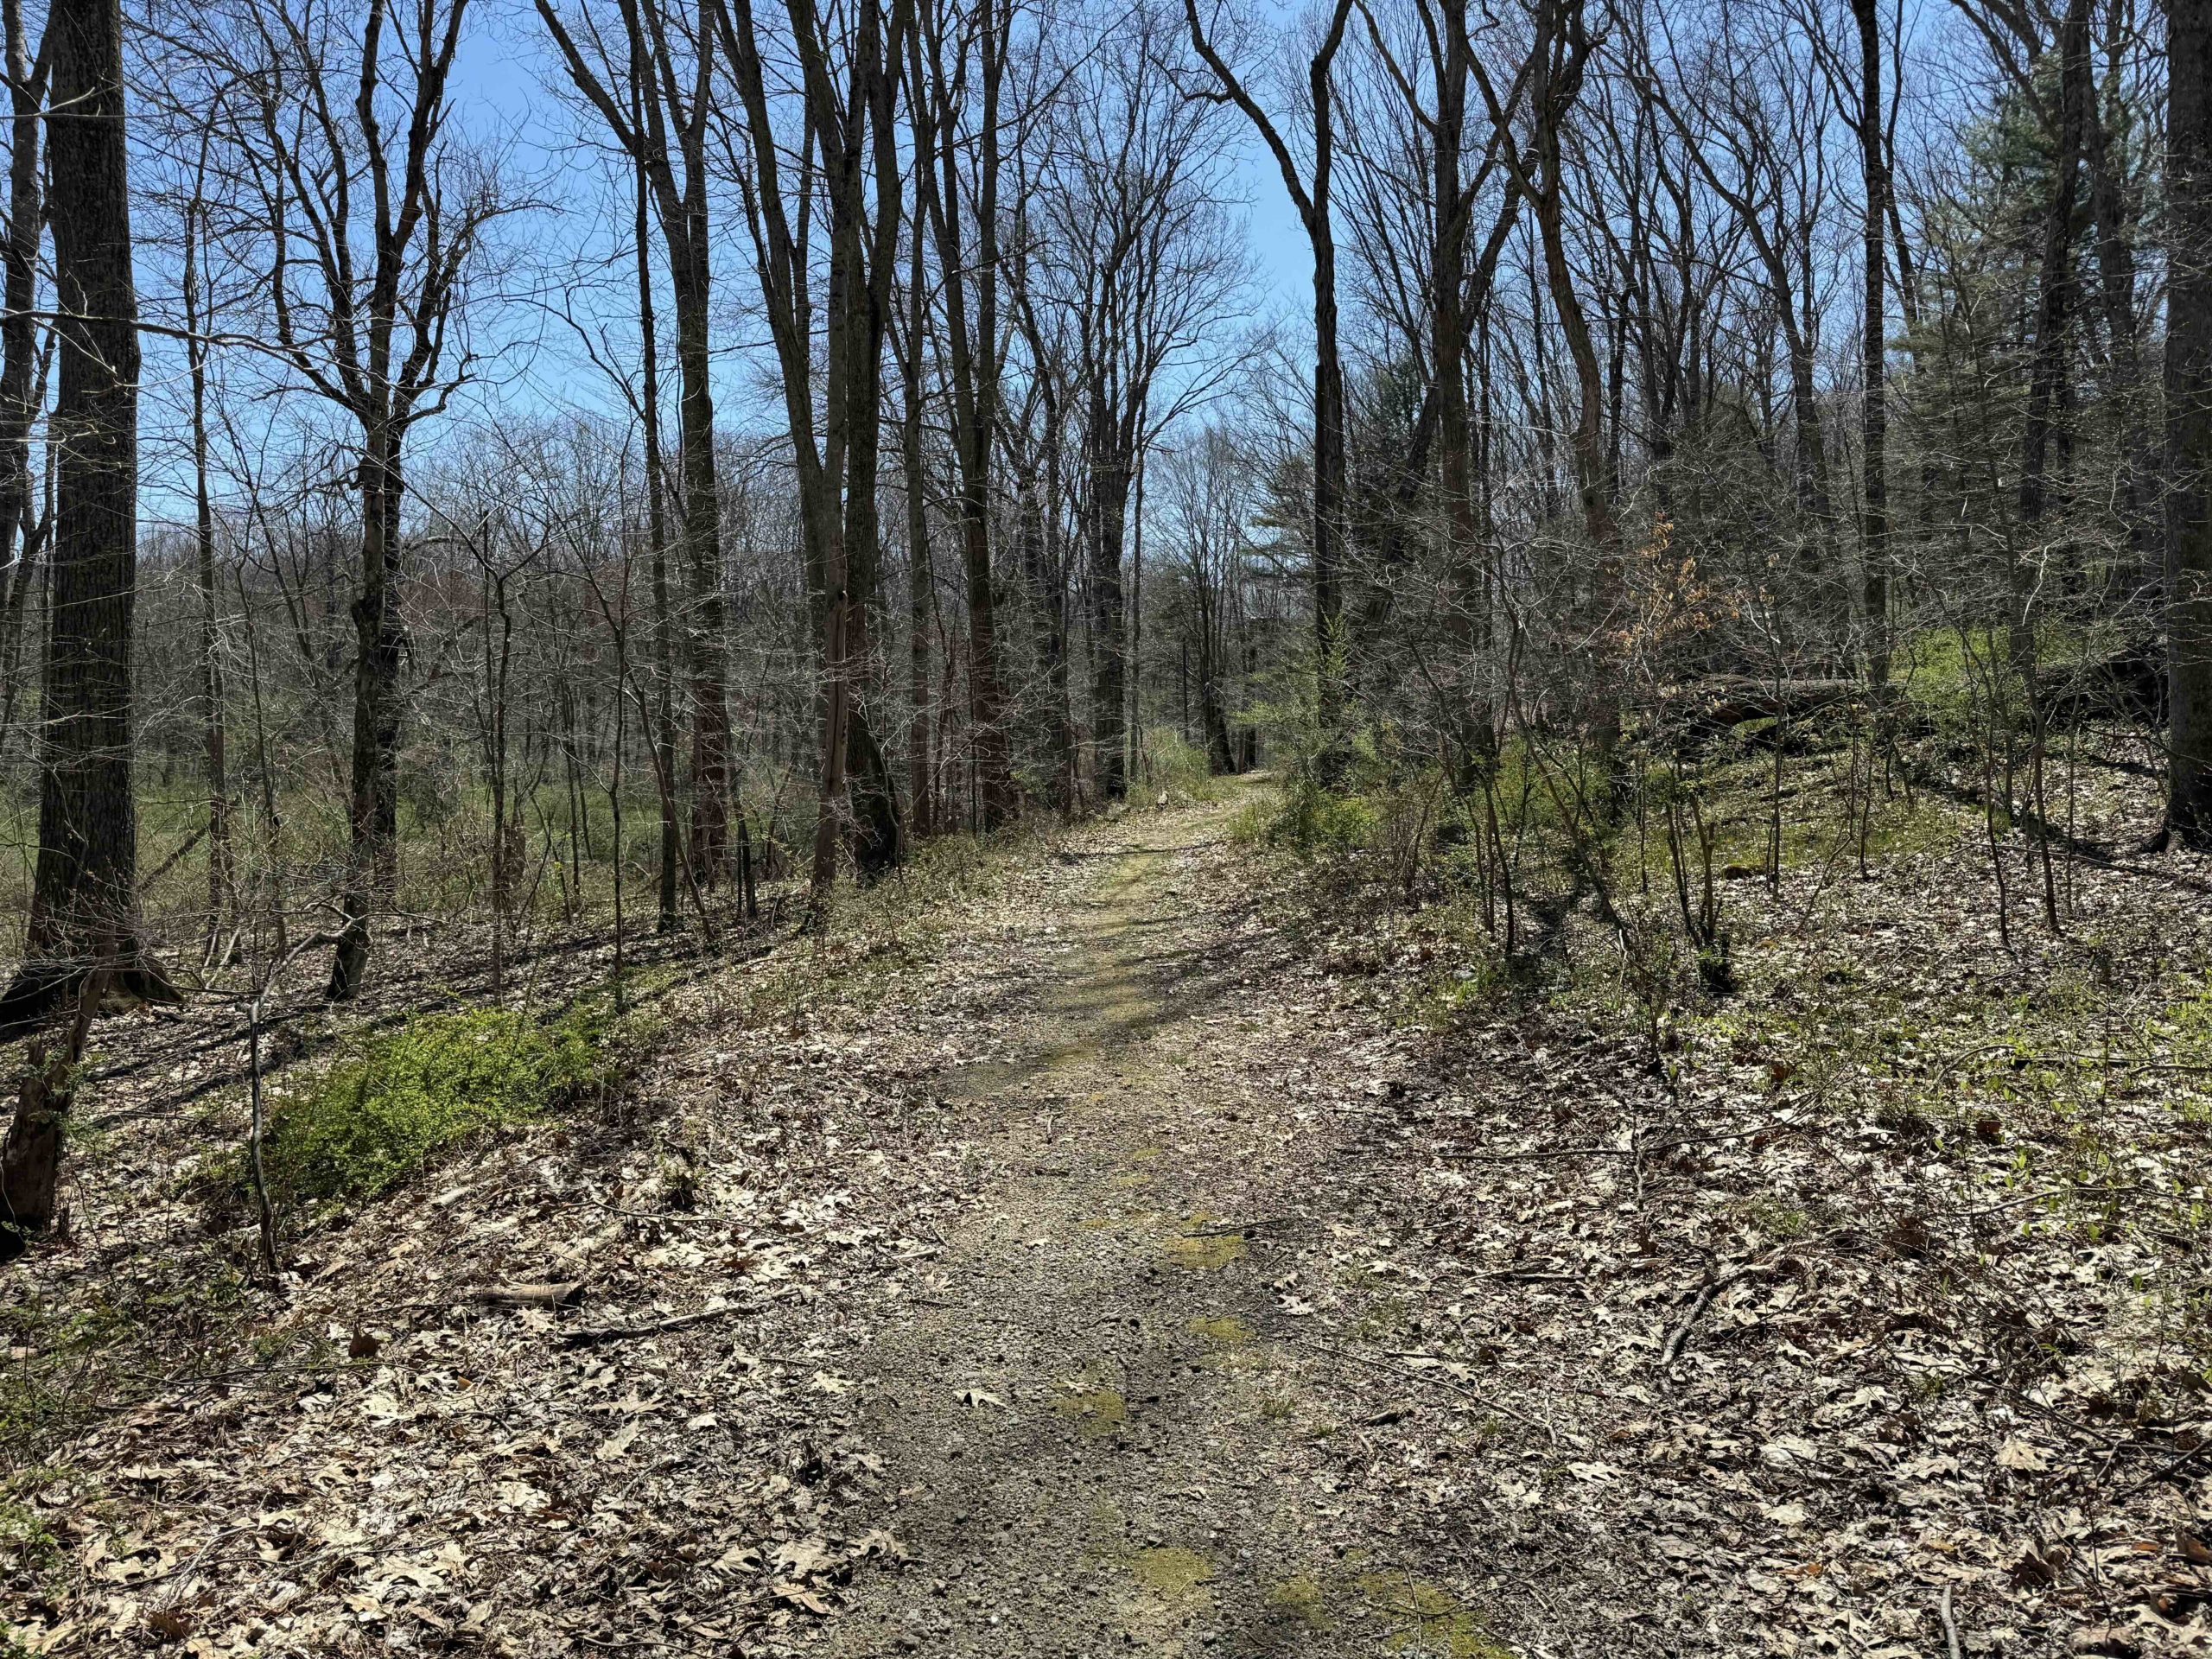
x: 1428, y: 1619
x: 1204, y: 1252
x: 1299, y: 1598
x: 1097, y: 1412
x: 1172, y: 1571
x: 1226, y: 1331
x: 1229, y: 1344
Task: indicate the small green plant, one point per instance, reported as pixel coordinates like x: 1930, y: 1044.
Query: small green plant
x: 28, y: 1550
x: 392, y: 1102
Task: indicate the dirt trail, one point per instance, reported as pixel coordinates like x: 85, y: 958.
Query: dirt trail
x: 1100, y: 1426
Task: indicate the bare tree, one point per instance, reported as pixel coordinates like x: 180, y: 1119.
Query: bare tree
x: 1312, y: 202
x: 367, y: 217
x: 1136, y: 250
x: 1870, y: 126
x: 667, y: 55
x: 956, y: 63
x: 853, y: 135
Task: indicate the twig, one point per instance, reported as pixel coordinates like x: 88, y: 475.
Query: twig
x: 1533, y: 1157
x: 592, y: 1336
x: 2053, y: 1193
x: 170, y: 862
x: 1242, y: 1229
x: 1950, y: 1623
x: 188, y: 1568
x: 1480, y: 1399
x: 2166, y: 1471
x: 1672, y: 1350
x: 1713, y: 1286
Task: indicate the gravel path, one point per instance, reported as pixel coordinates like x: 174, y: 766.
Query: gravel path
x: 1100, y: 1426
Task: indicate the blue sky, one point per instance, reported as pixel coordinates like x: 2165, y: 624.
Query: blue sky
x: 500, y: 86
x: 502, y: 95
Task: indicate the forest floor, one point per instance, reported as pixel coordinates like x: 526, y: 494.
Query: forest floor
x: 1124, y: 1255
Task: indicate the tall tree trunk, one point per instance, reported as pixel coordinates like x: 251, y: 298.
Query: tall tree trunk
x: 1329, y: 463
x: 1109, y: 498
x: 2189, y: 415
x: 920, y: 579
x: 83, y: 942
x: 1816, y: 498
x: 1212, y: 721
x: 380, y: 645
x: 878, y: 835
x: 1448, y: 322
x: 19, y: 342
x: 1134, y: 744
x: 1059, y: 691
x: 2054, y: 312
x: 1329, y: 487
x: 972, y: 365
x: 704, y: 635
x: 664, y: 714
x: 1873, y: 356
x: 2139, y: 466
x: 1563, y: 47
x: 211, y: 662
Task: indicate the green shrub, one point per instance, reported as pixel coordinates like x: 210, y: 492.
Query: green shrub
x: 1178, y: 767
x: 395, y: 1100
x: 1325, y: 822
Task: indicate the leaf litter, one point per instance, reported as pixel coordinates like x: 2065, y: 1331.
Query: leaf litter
x: 1864, y: 1316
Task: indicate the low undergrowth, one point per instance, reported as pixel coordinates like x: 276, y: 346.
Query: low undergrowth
x: 393, y: 1101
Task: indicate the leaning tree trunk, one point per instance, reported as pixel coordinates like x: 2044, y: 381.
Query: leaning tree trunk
x: 2189, y: 415
x: 83, y: 946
